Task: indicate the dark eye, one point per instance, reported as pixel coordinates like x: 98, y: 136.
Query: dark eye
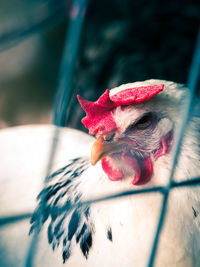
x: 144, y: 122
x: 109, y: 137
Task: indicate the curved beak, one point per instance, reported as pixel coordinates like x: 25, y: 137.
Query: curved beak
x: 102, y: 148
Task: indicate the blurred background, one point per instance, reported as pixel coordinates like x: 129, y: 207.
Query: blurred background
x: 121, y: 41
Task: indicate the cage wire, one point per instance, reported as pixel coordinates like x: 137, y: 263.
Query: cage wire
x: 62, y: 100
x: 77, y: 14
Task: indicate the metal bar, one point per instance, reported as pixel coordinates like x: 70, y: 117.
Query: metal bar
x: 14, y: 218
x: 192, y: 83
x: 77, y: 14
x: 68, y: 63
x: 156, y: 189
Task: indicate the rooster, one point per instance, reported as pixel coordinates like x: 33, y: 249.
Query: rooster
x: 135, y: 126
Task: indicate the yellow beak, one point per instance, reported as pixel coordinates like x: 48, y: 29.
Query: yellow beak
x: 102, y: 148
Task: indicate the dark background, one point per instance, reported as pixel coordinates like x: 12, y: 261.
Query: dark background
x: 121, y: 41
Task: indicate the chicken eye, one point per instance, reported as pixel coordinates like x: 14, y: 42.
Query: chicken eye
x: 109, y: 137
x: 144, y: 122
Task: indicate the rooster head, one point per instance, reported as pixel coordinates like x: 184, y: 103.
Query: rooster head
x: 133, y: 127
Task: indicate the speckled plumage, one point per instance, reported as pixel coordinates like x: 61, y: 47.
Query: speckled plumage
x: 112, y: 233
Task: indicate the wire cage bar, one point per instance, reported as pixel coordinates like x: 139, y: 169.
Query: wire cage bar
x: 186, y: 111
x: 64, y: 92
x: 77, y: 14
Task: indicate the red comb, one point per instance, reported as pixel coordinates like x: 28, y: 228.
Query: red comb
x: 98, y: 114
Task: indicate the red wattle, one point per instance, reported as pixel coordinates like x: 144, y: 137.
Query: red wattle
x: 166, y: 144
x: 143, y: 168
x: 113, y: 174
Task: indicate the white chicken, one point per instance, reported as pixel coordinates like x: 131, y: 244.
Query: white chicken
x: 135, y: 126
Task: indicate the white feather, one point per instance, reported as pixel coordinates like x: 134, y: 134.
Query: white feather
x: 24, y: 154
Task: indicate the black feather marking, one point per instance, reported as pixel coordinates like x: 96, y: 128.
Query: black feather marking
x: 66, y: 253
x: 79, y: 234
x: 87, y: 212
x: 51, y: 191
x: 58, y: 226
x: 45, y: 214
x: 59, y: 171
x: 73, y: 224
x: 54, y: 213
x: 76, y: 159
x: 50, y: 233
x: 77, y: 198
x: 195, y: 212
x: 86, y: 243
x: 33, y: 218
x: 109, y: 234
x: 57, y: 211
x: 64, y: 241
x: 53, y: 245
x: 69, y: 171
x: 31, y: 229
x: 58, y: 198
x: 55, y: 201
x: 59, y: 235
x: 75, y: 174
